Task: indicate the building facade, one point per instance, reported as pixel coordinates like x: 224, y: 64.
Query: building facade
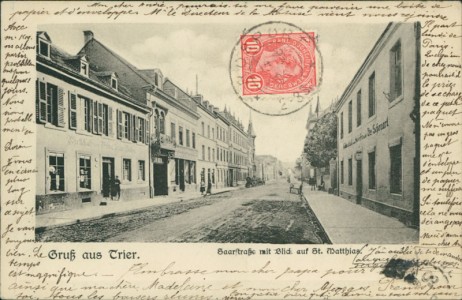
x: 238, y: 150
x: 207, y: 166
x: 378, y: 128
x: 222, y: 140
x: 90, y: 129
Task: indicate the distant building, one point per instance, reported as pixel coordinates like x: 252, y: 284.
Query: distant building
x: 222, y: 140
x: 207, y: 159
x: 239, y: 148
x: 378, y: 133
x: 269, y: 167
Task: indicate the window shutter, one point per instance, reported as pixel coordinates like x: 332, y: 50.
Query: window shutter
x: 100, y: 118
x: 147, y: 129
x: 90, y: 115
x: 37, y: 101
x: 109, y: 121
x: 95, y: 117
x: 119, y: 124
x: 61, y: 120
x: 72, y: 111
x: 42, y: 102
x: 133, y: 129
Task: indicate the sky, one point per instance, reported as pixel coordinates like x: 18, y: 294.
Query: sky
x: 182, y: 51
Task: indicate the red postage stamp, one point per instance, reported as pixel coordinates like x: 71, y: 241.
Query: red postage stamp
x: 278, y: 63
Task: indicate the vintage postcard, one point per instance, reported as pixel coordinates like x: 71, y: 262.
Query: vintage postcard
x: 231, y: 150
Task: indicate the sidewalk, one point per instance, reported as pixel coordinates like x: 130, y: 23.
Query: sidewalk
x: 115, y: 207
x: 348, y: 223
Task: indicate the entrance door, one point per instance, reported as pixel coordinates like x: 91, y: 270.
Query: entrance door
x: 108, y: 176
x: 160, y: 177
x: 359, y: 181
x: 231, y: 178
x: 181, y: 177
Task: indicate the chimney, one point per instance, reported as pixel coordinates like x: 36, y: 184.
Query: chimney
x: 87, y: 35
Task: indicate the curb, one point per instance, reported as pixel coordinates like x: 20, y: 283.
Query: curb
x: 329, y: 240
x: 112, y: 214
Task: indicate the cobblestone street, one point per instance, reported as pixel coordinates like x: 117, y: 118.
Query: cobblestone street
x: 263, y: 214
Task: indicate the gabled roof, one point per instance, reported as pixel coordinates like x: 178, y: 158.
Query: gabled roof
x: 120, y: 58
x: 44, y: 35
x: 106, y: 74
x: 148, y: 82
x: 65, y: 62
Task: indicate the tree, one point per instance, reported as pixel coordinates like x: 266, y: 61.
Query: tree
x: 321, y: 145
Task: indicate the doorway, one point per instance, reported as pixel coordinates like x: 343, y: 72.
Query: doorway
x: 231, y: 177
x: 181, y: 174
x: 160, y: 176
x: 108, y: 176
x: 359, y: 181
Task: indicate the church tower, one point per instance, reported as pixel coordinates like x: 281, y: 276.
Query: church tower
x: 251, y: 137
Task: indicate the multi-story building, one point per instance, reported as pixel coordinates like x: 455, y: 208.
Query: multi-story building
x: 222, y: 141
x: 378, y: 127
x: 173, y: 119
x: 183, y: 118
x: 238, y: 150
x: 90, y: 129
x: 206, y: 141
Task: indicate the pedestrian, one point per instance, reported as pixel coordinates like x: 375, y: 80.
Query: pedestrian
x: 202, y: 188
x: 322, y: 186
x: 116, y: 188
x: 209, y: 188
x: 312, y: 183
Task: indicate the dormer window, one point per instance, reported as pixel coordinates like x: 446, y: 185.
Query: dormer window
x: 44, y: 48
x: 83, y: 68
x: 114, y: 83
x: 43, y: 44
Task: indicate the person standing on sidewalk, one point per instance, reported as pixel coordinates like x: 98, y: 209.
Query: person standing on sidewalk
x: 116, y: 188
x: 202, y: 189
x: 209, y: 188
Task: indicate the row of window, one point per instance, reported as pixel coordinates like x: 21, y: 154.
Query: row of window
x: 185, y: 137
x: 395, y: 170
x: 222, y: 134
x: 396, y: 89
x: 57, y: 175
x: 97, y: 117
x: 239, y: 159
x: 222, y: 154
x: 238, y: 138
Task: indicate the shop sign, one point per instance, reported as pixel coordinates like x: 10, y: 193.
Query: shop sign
x: 374, y: 129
